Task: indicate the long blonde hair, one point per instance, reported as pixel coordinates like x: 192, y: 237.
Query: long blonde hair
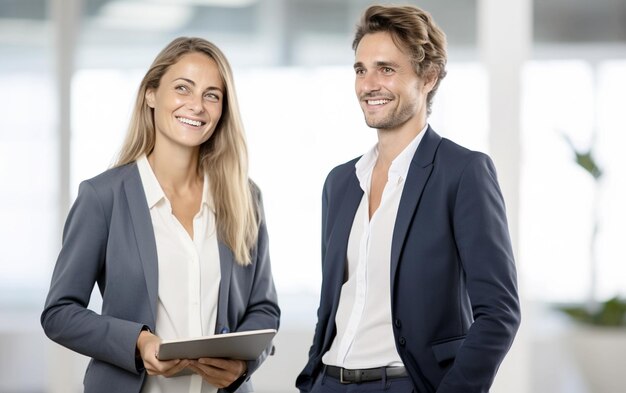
x: 223, y: 157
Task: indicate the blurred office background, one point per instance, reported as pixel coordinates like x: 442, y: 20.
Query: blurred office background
x: 522, y: 74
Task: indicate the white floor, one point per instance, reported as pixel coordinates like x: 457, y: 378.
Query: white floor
x: 30, y: 363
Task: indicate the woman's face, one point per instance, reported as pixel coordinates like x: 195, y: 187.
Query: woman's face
x: 188, y: 102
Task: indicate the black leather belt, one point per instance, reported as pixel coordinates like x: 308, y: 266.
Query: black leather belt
x: 345, y: 375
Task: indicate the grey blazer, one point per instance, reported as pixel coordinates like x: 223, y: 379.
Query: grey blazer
x: 108, y: 239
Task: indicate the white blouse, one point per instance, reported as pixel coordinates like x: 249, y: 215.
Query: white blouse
x: 189, y: 277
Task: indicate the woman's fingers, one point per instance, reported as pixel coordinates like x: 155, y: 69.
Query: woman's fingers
x: 218, y: 372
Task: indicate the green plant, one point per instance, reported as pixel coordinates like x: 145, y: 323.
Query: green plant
x: 611, y: 312
x: 586, y: 160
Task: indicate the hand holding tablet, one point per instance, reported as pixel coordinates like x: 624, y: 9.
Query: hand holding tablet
x: 248, y: 345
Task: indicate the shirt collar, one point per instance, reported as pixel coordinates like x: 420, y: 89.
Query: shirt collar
x: 207, y: 199
x: 364, y: 167
x: 399, y: 166
x: 151, y: 186
x: 153, y: 190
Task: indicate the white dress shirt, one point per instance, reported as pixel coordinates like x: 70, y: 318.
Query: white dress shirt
x: 189, y: 277
x: 364, y: 327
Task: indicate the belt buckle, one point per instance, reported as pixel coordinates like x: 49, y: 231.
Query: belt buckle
x: 341, y: 380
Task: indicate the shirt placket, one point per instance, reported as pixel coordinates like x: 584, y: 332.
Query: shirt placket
x: 194, y: 280
x: 360, y: 293
x: 195, y: 291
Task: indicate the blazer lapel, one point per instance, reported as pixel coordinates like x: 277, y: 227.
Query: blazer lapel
x: 338, y: 247
x: 419, y: 171
x: 144, y: 235
x: 336, y: 253
x: 226, y: 269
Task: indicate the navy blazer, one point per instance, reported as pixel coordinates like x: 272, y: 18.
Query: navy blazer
x: 454, y: 300
x: 108, y: 239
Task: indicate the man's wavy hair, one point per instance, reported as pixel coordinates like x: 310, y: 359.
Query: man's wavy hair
x: 414, y: 31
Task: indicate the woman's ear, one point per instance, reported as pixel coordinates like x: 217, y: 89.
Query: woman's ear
x: 150, y: 98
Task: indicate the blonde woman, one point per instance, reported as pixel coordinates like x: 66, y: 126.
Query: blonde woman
x: 174, y: 236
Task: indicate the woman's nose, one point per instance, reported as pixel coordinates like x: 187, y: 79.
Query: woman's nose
x: 195, y: 103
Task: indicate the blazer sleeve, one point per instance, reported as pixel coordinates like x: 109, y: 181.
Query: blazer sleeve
x: 80, y: 264
x: 262, y: 311
x: 482, y: 237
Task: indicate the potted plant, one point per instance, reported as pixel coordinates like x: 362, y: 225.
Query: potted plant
x: 598, y: 334
x: 597, y: 342
x: 610, y: 313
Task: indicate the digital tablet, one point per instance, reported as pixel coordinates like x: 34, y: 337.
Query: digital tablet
x: 246, y: 345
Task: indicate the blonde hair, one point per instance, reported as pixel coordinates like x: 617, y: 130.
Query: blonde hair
x: 413, y: 30
x: 223, y: 157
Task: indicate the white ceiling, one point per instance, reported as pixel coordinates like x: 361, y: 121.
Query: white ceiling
x: 274, y: 32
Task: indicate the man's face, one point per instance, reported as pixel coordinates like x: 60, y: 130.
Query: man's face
x: 390, y: 93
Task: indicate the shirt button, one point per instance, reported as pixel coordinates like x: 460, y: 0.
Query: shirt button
x: 402, y: 341
x: 397, y: 323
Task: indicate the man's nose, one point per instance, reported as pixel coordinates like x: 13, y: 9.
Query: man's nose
x: 368, y: 82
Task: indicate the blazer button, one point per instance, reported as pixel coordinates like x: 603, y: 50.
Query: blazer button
x: 397, y: 323
x: 402, y: 341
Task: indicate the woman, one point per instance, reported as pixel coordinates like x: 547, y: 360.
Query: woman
x: 174, y: 235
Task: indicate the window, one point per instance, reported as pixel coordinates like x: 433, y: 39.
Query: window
x: 300, y: 122
x: 571, y: 98
x: 29, y: 198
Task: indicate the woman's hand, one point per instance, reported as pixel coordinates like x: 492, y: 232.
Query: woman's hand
x: 220, y: 373
x: 148, y: 346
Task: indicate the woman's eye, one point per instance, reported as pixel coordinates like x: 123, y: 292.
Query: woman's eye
x: 182, y: 88
x: 212, y: 97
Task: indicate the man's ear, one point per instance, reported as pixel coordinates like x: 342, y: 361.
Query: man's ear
x: 150, y: 98
x: 430, y: 80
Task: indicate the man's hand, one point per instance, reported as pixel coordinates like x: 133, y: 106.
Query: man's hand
x: 148, y: 345
x: 220, y: 373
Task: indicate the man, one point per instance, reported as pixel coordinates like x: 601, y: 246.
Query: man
x: 419, y: 289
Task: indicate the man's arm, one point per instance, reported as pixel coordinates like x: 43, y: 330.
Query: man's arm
x: 484, y: 246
